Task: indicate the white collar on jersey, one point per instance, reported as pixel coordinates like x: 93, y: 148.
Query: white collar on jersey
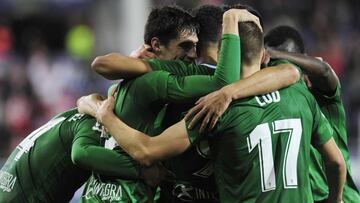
x: 208, y: 65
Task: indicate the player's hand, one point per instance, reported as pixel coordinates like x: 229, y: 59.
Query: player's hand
x: 143, y: 52
x: 89, y: 104
x: 155, y: 174
x: 243, y: 15
x: 105, y: 110
x: 210, y: 108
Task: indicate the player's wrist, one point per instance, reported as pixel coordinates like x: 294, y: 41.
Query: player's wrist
x: 230, y: 22
x: 228, y: 92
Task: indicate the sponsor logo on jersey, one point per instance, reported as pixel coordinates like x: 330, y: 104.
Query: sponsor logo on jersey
x: 104, y: 191
x: 189, y: 193
x: 7, y: 181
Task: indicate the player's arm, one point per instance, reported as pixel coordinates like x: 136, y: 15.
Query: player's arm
x: 321, y: 75
x: 335, y: 169
x: 334, y: 161
x: 212, y: 106
x: 86, y: 153
x: 143, y: 148
x: 116, y: 66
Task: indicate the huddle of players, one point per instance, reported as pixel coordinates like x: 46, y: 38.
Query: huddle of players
x: 259, y: 147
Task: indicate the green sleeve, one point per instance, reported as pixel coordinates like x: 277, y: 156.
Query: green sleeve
x: 193, y: 134
x: 87, y: 154
x: 322, y: 131
x: 181, y: 89
x: 178, y: 67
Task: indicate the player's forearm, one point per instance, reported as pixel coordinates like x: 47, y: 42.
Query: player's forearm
x: 132, y: 141
x: 117, y: 66
x: 264, y: 81
x: 335, y: 169
x: 319, y: 71
x: 336, y: 176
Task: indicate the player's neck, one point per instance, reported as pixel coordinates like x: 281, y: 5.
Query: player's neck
x: 248, y: 70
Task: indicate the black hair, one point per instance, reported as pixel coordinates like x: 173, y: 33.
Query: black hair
x: 209, y: 18
x: 166, y: 23
x: 285, y: 38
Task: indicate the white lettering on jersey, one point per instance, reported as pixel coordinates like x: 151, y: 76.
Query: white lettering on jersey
x: 7, y: 181
x: 76, y: 117
x: 111, y: 143
x: 105, y: 191
x: 29, y: 141
x: 269, y: 98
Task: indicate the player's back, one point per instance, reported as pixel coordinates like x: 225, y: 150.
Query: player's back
x: 40, y: 168
x: 261, y: 147
x: 139, y: 101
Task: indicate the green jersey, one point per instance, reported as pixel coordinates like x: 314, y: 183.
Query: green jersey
x: 42, y: 169
x: 333, y: 109
x: 261, y: 146
x: 139, y: 101
x: 193, y: 169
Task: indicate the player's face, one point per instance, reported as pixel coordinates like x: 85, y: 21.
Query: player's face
x: 183, y: 47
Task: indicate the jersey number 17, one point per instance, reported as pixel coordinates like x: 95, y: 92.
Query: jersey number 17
x: 261, y: 137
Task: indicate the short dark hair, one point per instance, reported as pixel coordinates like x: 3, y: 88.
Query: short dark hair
x: 251, y: 41
x: 209, y: 18
x: 251, y: 36
x: 166, y: 23
x: 285, y: 38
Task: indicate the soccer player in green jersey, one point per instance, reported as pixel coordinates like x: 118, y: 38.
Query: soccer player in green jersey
x: 52, y: 162
x: 240, y: 176
x: 193, y: 192
x: 325, y: 86
x: 152, y: 101
x: 172, y: 39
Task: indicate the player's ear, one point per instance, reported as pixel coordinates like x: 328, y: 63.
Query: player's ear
x: 265, y: 58
x: 155, y: 44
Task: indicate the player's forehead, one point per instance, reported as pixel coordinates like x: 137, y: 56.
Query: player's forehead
x: 187, y: 36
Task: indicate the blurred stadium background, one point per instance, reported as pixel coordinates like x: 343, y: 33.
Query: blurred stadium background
x: 46, y: 48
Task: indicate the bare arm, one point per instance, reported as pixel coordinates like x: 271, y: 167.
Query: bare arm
x: 141, y: 147
x: 322, y: 76
x: 115, y: 66
x: 264, y: 81
x: 212, y: 106
x: 335, y: 169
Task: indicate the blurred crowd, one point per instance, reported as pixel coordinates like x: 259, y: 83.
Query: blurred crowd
x: 40, y: 79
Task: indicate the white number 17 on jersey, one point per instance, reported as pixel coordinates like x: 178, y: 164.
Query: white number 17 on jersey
x: 261, y: 136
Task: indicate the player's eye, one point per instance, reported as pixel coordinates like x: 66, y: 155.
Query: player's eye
x: 187, y: 46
